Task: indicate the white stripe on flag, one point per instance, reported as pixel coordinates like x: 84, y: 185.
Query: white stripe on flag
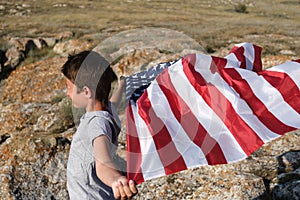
x: 271, y: 98
x: 151, y: 165
x: 240, y: 106
x: 232, y: 63
x: 191, y: 153
x: 205, y: 115
x: 292, y: 69
x: 234, y: 60
x: 249, y: 54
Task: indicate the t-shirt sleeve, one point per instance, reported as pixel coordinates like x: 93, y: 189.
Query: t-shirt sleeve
x: 98, y: 127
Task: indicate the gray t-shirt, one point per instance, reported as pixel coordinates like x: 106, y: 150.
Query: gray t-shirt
x: 82, y: 181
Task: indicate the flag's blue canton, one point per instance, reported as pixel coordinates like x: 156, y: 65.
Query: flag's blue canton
x: 137, y: 83
x: 138, y: 92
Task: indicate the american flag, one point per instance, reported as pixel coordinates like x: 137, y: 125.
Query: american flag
x: 206, y: 110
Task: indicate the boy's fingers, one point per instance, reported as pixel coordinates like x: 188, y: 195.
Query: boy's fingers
x: 124, y: 189
x: 117, y: 194
x: 116, y: 191
x: 132, y: 187
x: 127, y: 190
x: 121, y: 190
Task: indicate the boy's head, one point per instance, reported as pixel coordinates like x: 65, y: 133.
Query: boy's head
x: 90, y: 69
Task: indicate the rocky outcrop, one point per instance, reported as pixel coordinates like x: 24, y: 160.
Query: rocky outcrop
x: 19, y: 48
x: 34, y: 122
x: 14, y: 57
x: 38, y: 82
x: 33, y: 166
x: 37, y: 124
x: 71, y: 46
x: 286, y: 185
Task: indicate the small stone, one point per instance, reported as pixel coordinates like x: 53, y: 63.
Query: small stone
x: 287, y: 52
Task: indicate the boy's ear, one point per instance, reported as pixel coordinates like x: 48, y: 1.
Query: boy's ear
x: 87, y: 92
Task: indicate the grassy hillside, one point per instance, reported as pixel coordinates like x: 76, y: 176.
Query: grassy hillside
x: 272, y: 24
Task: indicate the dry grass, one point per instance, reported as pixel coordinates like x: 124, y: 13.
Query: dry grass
x: 213, y: 24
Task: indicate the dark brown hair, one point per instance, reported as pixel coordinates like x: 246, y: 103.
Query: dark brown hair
x: 90, y: 69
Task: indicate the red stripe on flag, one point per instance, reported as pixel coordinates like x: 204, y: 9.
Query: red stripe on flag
x: 257, y: 64
x: 217, y: 64
x: 234, y: 79
x: 244, y: 135
x: 285, y: 85
x: 134, y: 155
x: 239, y: 54
x: 172, y: 160
x: 196, y: 132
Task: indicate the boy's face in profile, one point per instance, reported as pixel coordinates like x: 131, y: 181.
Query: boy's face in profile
x: 79, y: 99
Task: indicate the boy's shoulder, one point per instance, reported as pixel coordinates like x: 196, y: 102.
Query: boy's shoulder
x: 101, y: 123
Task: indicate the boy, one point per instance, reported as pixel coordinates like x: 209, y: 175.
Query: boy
x: 91, y: 170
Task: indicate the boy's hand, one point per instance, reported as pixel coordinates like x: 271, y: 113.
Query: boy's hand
x: 123, y: 189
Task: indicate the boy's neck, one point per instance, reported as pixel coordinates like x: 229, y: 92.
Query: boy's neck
x: 95, y: 106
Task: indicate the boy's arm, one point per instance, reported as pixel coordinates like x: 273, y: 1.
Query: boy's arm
x: 117, y: 96
x: 107, y: 171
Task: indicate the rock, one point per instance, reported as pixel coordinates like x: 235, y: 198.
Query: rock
x: 207, y: 182
x: 64, y: 35
x: 287, y: 184
x: 34, y: 166
x: 38, y: 82
x: 289, y: 162
x: 145, y: 40
x: 289, y: 177
x: 19, y: 43
x: 290, y: 190
x: 70, y: 46
x: 131, y: 62
x: 142, y: 59
x: 12, y: 118
x: 50, y: 41
x: 229, y: 185
x: 28, y: 44
x: 287, y: 52
x: 33, y: 155
x: 55, y: 119
x: 18, y: 51
x: 38, y: 117
x: 14, y: 57
x: 40, y: 43
x: 60, y: 5
x: 271, y: 60
x: 32, y: 163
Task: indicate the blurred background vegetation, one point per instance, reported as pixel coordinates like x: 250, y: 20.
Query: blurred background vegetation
x: 273, y: 24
